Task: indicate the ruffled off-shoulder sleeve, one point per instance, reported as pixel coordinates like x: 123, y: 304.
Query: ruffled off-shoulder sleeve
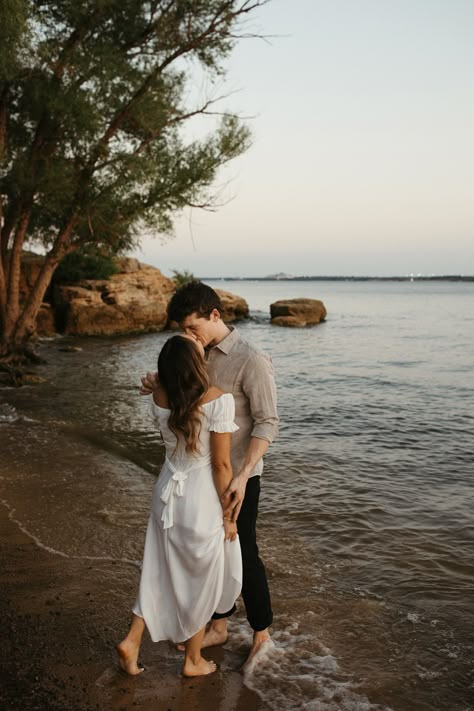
x: 222, y: 414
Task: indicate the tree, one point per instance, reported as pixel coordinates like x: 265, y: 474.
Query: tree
x: 83, y: 264
x: 94, y: 100
x: 182, y: 278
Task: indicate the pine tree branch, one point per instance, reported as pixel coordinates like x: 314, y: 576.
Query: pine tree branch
x: 220, y: 18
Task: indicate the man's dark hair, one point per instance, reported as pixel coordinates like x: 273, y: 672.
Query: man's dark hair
x: 193, y: 297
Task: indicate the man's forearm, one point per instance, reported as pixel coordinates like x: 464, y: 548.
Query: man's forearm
x: 255, y: 451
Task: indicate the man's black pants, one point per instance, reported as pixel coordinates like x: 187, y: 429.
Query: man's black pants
x: 255, y: 590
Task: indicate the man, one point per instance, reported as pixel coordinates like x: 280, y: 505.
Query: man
x: 237, y: 367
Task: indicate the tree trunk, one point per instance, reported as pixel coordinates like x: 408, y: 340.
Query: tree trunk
x: 12, y: 301
x: 16, y: 339
x: 26, y: 324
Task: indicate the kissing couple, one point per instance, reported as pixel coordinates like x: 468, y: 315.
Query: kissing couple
x: 214, y: 402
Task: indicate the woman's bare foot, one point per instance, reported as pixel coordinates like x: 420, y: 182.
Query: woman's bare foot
x: 200, y: 668
x: 128, y: 658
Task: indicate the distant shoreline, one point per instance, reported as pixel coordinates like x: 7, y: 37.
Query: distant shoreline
x: 447, y: 277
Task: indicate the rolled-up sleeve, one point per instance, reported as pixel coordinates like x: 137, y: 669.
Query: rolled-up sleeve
x: 258, y: 384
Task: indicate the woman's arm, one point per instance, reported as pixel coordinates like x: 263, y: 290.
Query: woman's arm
x: 220, y: 459
x: 222, y: 474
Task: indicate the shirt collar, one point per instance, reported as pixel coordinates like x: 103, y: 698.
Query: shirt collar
x: 228, y: 342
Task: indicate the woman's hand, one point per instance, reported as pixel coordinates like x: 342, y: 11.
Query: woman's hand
x: 150, y: 383
x: 233, y: 497
x: 230, y: 530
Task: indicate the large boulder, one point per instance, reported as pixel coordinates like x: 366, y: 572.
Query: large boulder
x: 131, y: 301
x: 45, y: 321
x: 31, y: 264
x: 235, y: 308
x: 297, y: 312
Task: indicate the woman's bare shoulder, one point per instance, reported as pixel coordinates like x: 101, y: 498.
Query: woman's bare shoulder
x: 212, y: 394
x: 159, y: 397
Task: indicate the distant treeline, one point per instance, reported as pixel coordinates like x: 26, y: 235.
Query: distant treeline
x: 448, y: 277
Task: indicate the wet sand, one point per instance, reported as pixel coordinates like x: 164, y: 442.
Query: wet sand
x: 61, y: 620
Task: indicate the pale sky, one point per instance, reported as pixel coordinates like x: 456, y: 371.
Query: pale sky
x: 362, y: 160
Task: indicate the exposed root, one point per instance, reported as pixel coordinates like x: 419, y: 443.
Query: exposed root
x: 14, y: 368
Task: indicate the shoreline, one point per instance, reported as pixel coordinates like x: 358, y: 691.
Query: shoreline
x: 63, y: 617
x: 61, y: 625
x: 370, y: 586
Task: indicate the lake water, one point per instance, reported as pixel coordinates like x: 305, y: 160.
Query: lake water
x: 366, y: 523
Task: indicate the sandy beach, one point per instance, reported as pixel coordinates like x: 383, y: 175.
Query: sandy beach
x: 62, y: 618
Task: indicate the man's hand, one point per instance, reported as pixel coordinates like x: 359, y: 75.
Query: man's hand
x: 233, y: 496
x: 149, y: 383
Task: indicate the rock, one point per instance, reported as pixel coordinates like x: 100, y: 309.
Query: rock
x: 297, y: 312
x: 32, y: 379
x: 235, y: 307
x: 131, y: 301
x: 31, y: 264
x: 126, y: 265
x: 292, y: 321
x: 45, y: 325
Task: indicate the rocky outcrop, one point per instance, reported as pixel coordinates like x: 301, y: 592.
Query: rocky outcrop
x: 132, y: 301
x: 31, y: 264
x: 235, y: 308
x: 297, y: 312
x: 45, y: 321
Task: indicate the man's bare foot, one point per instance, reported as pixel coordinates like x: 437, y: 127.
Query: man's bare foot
x: 201, y: 668
x: 128, y: 658
x: 261, y: 645
x: 212, y: 638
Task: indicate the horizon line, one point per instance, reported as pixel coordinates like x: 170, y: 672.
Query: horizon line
x: 409, y: 277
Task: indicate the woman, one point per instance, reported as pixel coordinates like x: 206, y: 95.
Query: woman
x: 192, y: 564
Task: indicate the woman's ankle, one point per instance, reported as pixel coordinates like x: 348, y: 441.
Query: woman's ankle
x: 192, y: 658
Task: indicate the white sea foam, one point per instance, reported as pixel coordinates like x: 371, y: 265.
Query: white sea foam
x: 8, y: 414
x: 427, y: 674
x: 297, y: 673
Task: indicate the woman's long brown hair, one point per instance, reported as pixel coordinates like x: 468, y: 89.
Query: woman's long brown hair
x: 184, y: 378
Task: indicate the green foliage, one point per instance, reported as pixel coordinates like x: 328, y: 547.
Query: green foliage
x: 97, y: 99
x: 182, y: 278
x: 14, y: 36
x: 81, y: 265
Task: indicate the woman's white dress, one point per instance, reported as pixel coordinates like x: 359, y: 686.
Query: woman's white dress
x: 189, y: 571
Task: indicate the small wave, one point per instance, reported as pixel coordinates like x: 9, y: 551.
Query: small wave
x: 298, y: 673
x: 8, y: 414
x: 428, y: 674
x: 62, y: 554
x: 120, y: 518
